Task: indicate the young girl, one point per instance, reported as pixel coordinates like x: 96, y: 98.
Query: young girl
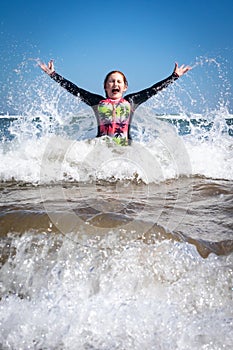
x: 114, y: 112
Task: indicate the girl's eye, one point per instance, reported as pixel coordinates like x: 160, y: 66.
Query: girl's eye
x: 113, y: 81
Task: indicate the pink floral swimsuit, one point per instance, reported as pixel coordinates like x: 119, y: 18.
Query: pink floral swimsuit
x: 114, y: 119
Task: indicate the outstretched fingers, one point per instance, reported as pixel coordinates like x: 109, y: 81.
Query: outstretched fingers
x: 51, y: 65
x: 181, y: 70
x: 49, y: 69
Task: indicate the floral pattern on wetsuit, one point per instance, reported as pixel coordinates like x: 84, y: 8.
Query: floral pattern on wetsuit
x: 114, y: 118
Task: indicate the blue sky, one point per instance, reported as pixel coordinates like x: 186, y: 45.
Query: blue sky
x: 89, y: 38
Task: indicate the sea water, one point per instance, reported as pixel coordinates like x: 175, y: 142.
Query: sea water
x: 108, y: 247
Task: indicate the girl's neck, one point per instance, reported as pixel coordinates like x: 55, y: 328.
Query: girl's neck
x: 114, y: 100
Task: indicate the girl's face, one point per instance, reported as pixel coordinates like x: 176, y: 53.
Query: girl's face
x: 115, y: 86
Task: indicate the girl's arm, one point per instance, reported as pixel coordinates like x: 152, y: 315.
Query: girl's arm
x: 86, y: 96
x: 143, y: 95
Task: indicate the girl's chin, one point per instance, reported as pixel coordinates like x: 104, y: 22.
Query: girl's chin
x: 115, y: 96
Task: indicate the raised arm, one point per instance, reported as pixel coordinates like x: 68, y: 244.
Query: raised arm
x: 143, y: 95
x: 88, y: 97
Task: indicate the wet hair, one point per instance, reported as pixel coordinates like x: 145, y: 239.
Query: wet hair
x: 112, y: 72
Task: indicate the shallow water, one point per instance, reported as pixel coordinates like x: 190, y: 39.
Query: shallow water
x: 104, y: 271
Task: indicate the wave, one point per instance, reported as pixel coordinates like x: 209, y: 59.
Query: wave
x: 154, y: 156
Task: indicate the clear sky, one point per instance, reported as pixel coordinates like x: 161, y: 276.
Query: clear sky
x: 88, y: 38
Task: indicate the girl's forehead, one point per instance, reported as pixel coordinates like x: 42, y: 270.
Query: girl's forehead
x: 115, y: 76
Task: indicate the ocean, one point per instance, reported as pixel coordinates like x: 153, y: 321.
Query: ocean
x: 115, y: 247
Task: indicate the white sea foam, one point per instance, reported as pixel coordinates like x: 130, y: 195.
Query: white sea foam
x: 126, y: 296
x: 156, y: 154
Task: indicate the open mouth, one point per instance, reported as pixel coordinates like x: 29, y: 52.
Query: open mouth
x: 115, y: 91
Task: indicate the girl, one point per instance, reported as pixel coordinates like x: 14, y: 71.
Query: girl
x: 114, y: 112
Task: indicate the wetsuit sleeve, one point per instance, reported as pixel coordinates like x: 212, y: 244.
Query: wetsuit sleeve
x: 139, y: 97
x: 88, y: 97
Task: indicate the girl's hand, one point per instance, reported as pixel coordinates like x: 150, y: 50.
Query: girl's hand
x: 49, y: 69
x: 181, y: 70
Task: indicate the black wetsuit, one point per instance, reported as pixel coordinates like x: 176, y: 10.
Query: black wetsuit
x: 114, y: 117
